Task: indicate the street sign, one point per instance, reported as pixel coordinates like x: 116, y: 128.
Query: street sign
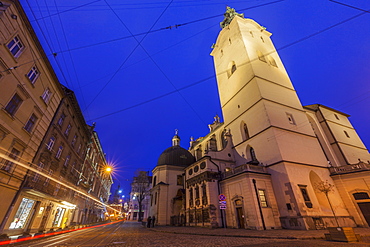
x: 222, y: 206
x: 222, y: 197
x: 222, y: 202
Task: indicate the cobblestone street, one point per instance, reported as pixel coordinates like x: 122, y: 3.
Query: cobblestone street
x: 134, y: 234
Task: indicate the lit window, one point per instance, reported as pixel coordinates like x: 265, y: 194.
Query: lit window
x: 33, y: 75
x: 13, y: 104
x: 46, y: 95
x: 15, y: 46
x: 23, y: 213
x: 67, y: 130
x: 262, y: 196
x: 9, y: 165
x: 59, y: 152
x: 74, y: 140
x: 66, y: 161
x: 30, y: 123
x: 61, y: 119
x: 50, y: 144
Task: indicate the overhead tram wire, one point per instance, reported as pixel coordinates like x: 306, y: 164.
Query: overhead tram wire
x: 77, y: 7
x: 210, y: 77
x: 155, y: 98
x: 350, y: 6
x: 56, y: 37
x: 138, y: 34
x: 106, y: 84
x: 48, y: 44
x: 156, y: 64
x: 72, y: 61
x: 177, y: 4
x: 165, y: 28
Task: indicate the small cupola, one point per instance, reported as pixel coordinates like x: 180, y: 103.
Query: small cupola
x: 176, y: 139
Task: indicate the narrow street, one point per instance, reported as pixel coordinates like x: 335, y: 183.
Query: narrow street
x: 134, y: 234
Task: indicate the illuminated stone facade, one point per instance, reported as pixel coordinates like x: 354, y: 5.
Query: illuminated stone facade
x: 264, y: 167
x: 51, y: 163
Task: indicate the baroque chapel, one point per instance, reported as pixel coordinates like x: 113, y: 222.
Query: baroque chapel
x: 272, y: 163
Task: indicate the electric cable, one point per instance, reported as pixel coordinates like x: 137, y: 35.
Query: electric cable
x: 106, y: 84
x: 156, y: 64
x: 209, y: 77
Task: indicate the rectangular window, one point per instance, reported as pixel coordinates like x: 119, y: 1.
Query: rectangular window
x: 47, y: 180
x: 33, y: 74
x: 74, y: 140
x: 50, y: 145
x: 179, y: 180
x: 67, y: 130
x: 262, y: 196
x: 30, y: 123
x: 61, y: 119
x: 37, y: 175
x: 46, y: 95
x: 305, y: 195
x: 23, y: 213
x: 8, y: 164
x: 15, y: 46
x: 59, y: 152
x: 13, y: 104
x: 66, y: 161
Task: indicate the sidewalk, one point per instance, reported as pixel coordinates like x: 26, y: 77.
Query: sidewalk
x: 272, y: 234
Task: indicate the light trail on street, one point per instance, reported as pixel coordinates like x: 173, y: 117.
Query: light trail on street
x: 135, y: 234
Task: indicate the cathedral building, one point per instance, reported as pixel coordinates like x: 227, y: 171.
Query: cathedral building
x: 272, y: 163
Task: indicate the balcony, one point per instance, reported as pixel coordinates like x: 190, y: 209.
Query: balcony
x: 244, y: 168
x: 359, y: 167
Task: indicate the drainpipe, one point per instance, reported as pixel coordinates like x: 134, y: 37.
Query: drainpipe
x: 259, y: 204
x: 219, y: 191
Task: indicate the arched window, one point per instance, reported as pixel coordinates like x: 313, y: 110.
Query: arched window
x: 261, y: 56
x: 272, y: 61
x: 361, y: 196
x: 154, y: 180
x: 198, y: 153
x: 213, y: 143
x: 253, y: 154
x: 231, y: 69
x: 245, y: 131
x: 223, y: 138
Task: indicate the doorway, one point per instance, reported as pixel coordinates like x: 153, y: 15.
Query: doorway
x: 240, y: 217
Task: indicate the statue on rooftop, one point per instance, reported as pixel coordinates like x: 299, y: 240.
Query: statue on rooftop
x: 229, y: 16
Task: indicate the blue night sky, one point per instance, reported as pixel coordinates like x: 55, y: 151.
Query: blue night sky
x: 140, y: 81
